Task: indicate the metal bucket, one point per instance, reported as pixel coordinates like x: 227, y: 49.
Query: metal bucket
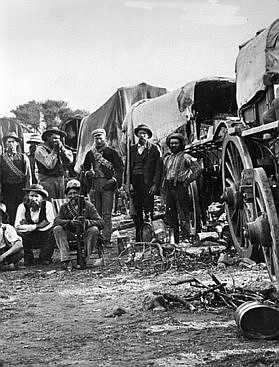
x: 257, y: 320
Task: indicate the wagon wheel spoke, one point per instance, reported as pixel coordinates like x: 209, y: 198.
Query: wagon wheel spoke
x: 235, y: 158
x: 231, y: 172
x: 268, y: 236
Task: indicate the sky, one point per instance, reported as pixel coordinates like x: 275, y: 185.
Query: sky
x: 82, y: 51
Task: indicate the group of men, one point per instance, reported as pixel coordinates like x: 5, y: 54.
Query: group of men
x: 28, y: 183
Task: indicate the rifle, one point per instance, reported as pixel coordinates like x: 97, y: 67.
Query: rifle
x: 80, y: 228
x: 79, y: 233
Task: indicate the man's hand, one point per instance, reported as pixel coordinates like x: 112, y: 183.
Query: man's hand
x: 24, y: 228
x: 110, y: 185
x: 2, y: 258
x: 152, y: 190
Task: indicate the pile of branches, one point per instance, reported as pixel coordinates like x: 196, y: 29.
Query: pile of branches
x: 161, y: 257
x: 216, y: 294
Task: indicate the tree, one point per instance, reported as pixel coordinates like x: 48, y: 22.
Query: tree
x: 67, y: 113
x: 50, y: 110
x: 29, y: 114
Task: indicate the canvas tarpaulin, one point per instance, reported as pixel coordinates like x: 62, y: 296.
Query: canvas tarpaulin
x: 161, y: 114
x: 165, y: 114
x: 110, y: 116
x: 257, y: 59
x: 209, y: 96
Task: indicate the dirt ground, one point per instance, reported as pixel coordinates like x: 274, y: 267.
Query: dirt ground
x: 51, y: 317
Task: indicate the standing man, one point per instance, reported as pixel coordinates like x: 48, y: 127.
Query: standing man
x: 178, y: 166
x: 34, y: 220
x: 145, y: 175
x: 51, y: 158
x: 11, y: 250
x: 33, y: 142
x: 68, y: 219
x: 104, y: 168
x: 15, y: 174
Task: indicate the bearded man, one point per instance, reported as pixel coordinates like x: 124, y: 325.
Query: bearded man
x: 34, y: 220
x: 69, y: 218
x: 52, y: 157
x: 11, y: 250
x: 177, y: 168
x: 104, y: 168
x: 145, y: 174
x: 15, y: 174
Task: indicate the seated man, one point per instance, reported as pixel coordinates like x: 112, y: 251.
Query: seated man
x: 69, y: 217
x: 34, y: 220
x: 11, y: 250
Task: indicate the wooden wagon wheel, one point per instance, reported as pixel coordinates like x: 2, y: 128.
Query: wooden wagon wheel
x: 194, y: 210
x: 235, y: 158
x: 264, y: 230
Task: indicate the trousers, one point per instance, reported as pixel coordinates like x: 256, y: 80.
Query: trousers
x: 12, y: 197
x: 37, y: 240
x: 55, y: 186
x: 177, y: 208
x: 143, y: 203
x: 62, y: 236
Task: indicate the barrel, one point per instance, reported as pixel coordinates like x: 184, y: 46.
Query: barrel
x: 258, y: 320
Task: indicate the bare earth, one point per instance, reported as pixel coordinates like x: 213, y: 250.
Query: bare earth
x: 51, y: 317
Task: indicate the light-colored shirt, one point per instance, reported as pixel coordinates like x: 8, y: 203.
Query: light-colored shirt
x: 8, y: 236
x: 49, y: 157
x: 20, y: 216
x: 141, y: 148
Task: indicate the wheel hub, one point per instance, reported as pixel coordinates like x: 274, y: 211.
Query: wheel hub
x: 232, y: 197
x: 258, y: 231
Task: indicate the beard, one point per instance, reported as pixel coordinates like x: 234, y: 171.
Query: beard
x: 176, y: 150
x: 33, y: 204
x: 74, y: 200
x: 142, y: 141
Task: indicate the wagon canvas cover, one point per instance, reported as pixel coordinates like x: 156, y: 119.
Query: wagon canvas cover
x: 111, y: 115
x: 209, y: 96
x: 257, y: 61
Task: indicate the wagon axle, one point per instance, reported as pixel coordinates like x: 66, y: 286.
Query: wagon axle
x: 258, y: 231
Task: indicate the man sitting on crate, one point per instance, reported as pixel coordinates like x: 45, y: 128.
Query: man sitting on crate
x: 69, y: 220
x: 180, y: 169
x: 34, y: 220
x: 11, y: 250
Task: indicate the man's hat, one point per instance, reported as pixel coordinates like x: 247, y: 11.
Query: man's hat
x: 53, y: 130
x: 97, y: 132
x: 37, y: 188
x: 35, y: 138
x: 12, y: 135
x: 145, y: 128
x: 72, y: 184
x: 178, y: 136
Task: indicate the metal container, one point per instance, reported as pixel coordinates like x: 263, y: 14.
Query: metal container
x: 257, y: 320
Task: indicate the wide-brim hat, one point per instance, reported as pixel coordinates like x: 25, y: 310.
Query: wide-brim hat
x: 37, y: 188
x: 178, y: 136
x: 53, y: 130
x: 34, y: 138
x: 145, y: 128
x: 12, y: 135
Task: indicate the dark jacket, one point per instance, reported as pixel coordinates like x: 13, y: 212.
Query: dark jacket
x: 112, y: 156
x: 152, y: 168
x: 272, y: 114
x: 91, y: 215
